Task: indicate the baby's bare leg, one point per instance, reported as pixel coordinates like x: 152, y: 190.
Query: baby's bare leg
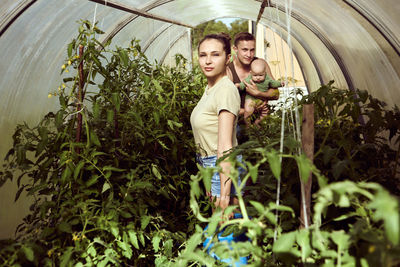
x: 264, y: 111
x: 248, y: 110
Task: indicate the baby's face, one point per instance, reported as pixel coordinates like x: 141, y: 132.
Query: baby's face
x: 257, y: 75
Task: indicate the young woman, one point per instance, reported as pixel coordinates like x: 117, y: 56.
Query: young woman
x: 215, y: 116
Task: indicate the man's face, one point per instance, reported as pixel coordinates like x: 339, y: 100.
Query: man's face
x: 245, y: 51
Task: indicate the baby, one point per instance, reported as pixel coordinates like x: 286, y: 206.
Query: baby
x: 263, y: 82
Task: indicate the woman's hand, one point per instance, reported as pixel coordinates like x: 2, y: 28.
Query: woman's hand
x: 223, y: 204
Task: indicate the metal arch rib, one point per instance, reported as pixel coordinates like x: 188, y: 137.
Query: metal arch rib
x: 14, y: 14
x: 171, y: 45
x: 389, y: 36
x: 314, y: 29
x: 306, y: 48
x: 155, y: 36
x: 125, y: 22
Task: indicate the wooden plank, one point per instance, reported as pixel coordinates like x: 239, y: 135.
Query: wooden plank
x: 307, y: 141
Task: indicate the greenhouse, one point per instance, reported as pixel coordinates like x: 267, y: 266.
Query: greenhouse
x: 98, y: 154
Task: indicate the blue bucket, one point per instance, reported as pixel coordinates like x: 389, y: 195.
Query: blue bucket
x: 228, y: 239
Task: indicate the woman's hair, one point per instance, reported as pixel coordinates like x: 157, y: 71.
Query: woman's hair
x: 243, y: 36
x: 224, y: 38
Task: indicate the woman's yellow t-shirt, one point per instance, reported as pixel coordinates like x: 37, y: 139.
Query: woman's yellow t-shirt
x: 204, y: 118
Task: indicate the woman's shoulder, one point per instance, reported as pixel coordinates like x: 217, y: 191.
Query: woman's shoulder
x: 225, y: 82
x: 226, y: 89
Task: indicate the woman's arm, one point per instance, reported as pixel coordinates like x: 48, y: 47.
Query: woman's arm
x: 226, y: 121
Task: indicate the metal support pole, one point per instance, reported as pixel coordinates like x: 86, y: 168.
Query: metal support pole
x: 120, y: 6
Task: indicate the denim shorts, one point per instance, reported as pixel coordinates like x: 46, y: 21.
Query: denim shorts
x: 215, y: 180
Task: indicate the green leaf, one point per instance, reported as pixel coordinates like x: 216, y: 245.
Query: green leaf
x: 305, y: 167
x: 110, y: 115
x: 285, y: 243
x: 29, y: 254
x: 155, y: 171
x: 78, y: 168
x: 116, y: 101
x: 274, y: 206
x: 18, y: 194
x: 64, y: 227
x: 59, y: 118
x: 386, y: 208
x: 156, y: 242
x: 93, y: 179
x: 63, y: 101
x: 194, y: 240
x: 303, y: 239
x: 111, y: 168
x: 66, y: 256
x: 339, y: 167
x: 40, y: 147
x: 259, y: 207
x: 274, y: 163
x: 66, y: 174
x: 141, y: 238
x: 124, y: 57
x: 126, y: 248
x: 253, y: 170
x: 70, y: 47
x: 145, y: 220
x: 329, y: 153
x: 92, y: 251
x: 212, y: 226
x: 133, y: 238
x: 341, y: 239
x: 114, y: 230
x: 106, y: 186
x: 146, y: 80
x: 96, y: 110
x: 157, y: 85
x: 168, y: 247
x: 94, y: 139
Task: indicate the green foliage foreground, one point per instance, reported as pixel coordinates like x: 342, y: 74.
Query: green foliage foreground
x: 128, y: 192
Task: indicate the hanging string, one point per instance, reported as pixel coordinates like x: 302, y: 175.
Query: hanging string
x: 102, y: 20
x: 288, y: 8
x: 170, y: 47
x: 94, y: 16
x: 278, y: 187
x: 294, y: 118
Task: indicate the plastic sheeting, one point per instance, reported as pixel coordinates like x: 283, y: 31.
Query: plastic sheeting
x: 354, y: 42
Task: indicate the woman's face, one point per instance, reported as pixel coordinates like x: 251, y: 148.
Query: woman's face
x: 213, y: 59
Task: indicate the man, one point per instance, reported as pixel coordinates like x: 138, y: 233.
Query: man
x: 239, y: 69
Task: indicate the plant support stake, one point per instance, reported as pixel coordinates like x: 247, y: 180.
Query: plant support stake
x: 307, y: 141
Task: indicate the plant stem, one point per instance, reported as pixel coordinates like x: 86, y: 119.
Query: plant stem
x: 80, y: 98
x: 325, y: 139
